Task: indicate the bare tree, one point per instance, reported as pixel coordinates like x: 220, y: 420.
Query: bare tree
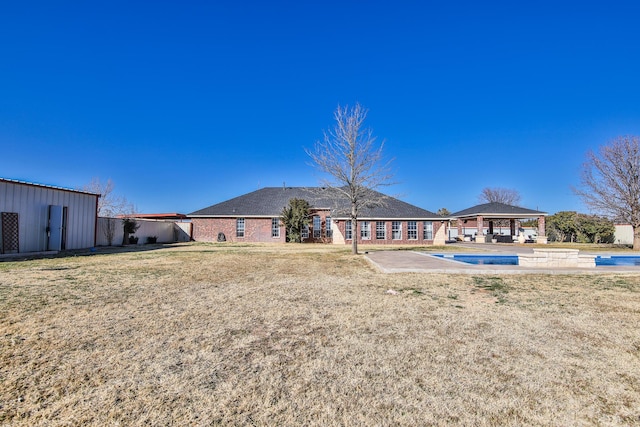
x: 109, y: 229
x: 507, y: 196
x: 109, y: 204
x: 352, y: 157
x: 611, y: 182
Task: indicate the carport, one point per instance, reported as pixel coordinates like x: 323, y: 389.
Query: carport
x: 488, y: 214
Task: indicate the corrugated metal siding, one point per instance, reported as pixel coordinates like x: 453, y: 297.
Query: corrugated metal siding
x: 32, y: 205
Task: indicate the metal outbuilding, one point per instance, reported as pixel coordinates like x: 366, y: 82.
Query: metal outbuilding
x: 36, y: 217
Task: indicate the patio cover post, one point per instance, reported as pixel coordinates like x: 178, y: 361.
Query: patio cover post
x: 480, y: 225
x: 542, y: 234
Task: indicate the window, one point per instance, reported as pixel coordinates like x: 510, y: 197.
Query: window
x: 381, y: 230
x: 365, y: 230
x: 240, y: 227
x: 275, y: 228
x: 412, y: 230
x: 329, y: 231
x: 396, y: 230
x: 348, y: 235
x: 427, y: 233
x: 317, y: 227
x: 305, y: 231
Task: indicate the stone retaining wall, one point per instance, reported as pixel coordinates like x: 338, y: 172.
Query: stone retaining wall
x: 567, y: 258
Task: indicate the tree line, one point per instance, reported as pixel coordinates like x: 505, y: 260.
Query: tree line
x: 570, y: 226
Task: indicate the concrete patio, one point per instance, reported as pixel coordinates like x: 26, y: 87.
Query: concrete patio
x: 423, y: 262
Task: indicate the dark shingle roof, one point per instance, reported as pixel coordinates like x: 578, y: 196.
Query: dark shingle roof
x: 269, y: 202
x: 496, y: 208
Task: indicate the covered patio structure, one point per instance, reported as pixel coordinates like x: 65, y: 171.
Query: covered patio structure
x: 487, y: 216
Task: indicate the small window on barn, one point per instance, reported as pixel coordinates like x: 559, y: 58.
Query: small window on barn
x: 240, y: 227
x: 428, y: 230
x: 348, y: 232
x: 329, y: 231
x: 412, y: 230
x: 381, y: 230
x: 275, y: 228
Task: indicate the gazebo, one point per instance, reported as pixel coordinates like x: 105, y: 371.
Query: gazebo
x: 489, y: 213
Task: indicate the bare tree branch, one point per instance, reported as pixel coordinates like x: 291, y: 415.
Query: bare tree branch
x: 507, y: 196
x: 352, y: 157
x: 611, y: 182
x: 109, y: 204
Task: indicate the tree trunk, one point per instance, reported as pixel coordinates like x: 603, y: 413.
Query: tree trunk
x: 354, y: 229
x: 354, y: 242
x: 636, y: 237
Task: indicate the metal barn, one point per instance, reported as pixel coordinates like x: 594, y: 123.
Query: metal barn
x: 36, y: 218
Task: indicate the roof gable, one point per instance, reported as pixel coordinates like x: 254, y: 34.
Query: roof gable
x: 497, y: 209
x: 269, y: 202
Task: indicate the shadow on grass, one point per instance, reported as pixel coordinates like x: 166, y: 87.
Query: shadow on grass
x: 100, y: 250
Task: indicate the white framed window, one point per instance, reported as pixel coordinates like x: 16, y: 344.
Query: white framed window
x: 412, y: 230
x: 381, y: 230
x: 328, y: 227
x: 317, y: 226
x: 305, y: 231
x: 348, y: 232
x: 427, y: 231
x: 365, y: 230
x: 240, y: 227
x: 275, y: 228
x: 396, y: 230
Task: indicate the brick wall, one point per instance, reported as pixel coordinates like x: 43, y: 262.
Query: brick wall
x: 341, y: 225
x: 255, y: 230
x: 259, y: 230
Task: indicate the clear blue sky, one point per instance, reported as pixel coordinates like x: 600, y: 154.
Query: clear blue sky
x: 186, y: 104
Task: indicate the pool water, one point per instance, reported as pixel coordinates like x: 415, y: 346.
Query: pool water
x: 482, y: 259
x: 627, y: 260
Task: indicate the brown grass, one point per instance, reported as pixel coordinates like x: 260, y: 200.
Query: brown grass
x: 308, y: 335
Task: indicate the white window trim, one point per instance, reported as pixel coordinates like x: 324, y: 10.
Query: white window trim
x: 348, y: 230
x: 317, y: 231
x: 424, y: 230
x: 410, y: 231
x: 365, y: 230
x: 399, y: 230
x: 238, y: 228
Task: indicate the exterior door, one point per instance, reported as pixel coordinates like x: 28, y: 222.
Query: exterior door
x: 55, y: 230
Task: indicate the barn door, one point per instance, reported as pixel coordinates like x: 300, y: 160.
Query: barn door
x: 9, y: 226
x: 55, y: 230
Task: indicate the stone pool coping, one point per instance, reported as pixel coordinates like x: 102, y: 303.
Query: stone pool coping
x: 423, y: 262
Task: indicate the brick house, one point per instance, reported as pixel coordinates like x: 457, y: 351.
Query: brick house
x: 255, y: 217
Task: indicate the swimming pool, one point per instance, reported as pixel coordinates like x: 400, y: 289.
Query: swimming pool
x: 625, y: 260
x: 481, y: 259
x: 488, y: 259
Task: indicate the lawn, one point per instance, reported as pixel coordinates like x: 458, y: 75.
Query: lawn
x: 207, y: 334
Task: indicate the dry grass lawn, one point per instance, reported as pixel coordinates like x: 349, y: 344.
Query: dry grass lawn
x: 202, y: 334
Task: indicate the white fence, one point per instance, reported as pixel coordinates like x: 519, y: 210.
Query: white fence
x: 165, y: 231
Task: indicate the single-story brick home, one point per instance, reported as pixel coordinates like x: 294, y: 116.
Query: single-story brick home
x: 255, y: 217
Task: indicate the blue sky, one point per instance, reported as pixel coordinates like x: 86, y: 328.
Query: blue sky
x: 186, y: 104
